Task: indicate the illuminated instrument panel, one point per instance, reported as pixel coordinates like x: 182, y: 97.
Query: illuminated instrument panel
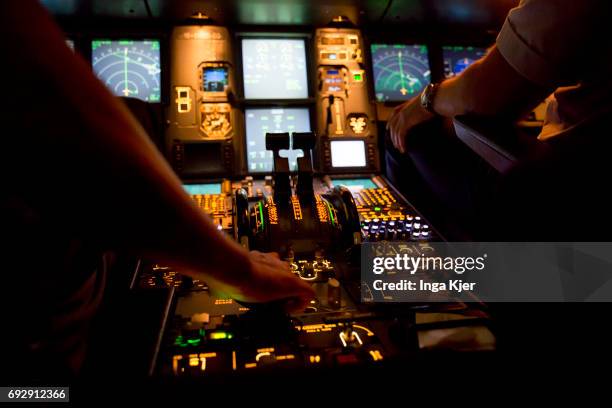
x: 260, y: 121
x: 302, y: 181
x: 400, y: 71
x: 346, y: 125
x: 203, y: 121
x: 129, y: 68
x: 275, y: 71
x: 274, y: 68
x: 458, y: 58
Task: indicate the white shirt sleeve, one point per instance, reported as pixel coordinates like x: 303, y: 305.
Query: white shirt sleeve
x: 548, y: 41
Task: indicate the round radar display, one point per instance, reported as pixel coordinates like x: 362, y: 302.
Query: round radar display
x: 129, y: 68
x: 400, y: 71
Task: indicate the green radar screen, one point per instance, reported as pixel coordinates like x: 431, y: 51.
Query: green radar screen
x: 129, y: 68
x: 400, y: 71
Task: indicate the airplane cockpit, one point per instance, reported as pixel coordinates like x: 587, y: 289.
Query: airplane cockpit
x: 349, y: 138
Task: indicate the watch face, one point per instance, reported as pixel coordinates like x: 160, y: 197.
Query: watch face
x: 425, y: 98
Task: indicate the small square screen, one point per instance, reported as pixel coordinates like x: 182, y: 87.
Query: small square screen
x: 214, y: 79
x: 348, y: 153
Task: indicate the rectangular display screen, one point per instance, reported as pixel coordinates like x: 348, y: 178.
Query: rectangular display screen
x: 400, y: 71
x: 214, y: 79
x: 128, y: 68
x: 332, y: 40
x: 348, y: 153
x: 272, y: 120
x: 274, y: 69
x: 355, y: 185
x: 209, y: 188
x: 457, y: 59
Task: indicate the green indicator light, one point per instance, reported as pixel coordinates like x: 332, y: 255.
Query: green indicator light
x: 98, y: 43
x: 261, y: 217
x: 357, y: 77
x: 376, y: 208
x: 331, y: 214
x: 194, y: 342
x: 202, y: 332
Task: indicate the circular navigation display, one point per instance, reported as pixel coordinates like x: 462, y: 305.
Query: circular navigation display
x: 400, y: 71
x: 128, y: 68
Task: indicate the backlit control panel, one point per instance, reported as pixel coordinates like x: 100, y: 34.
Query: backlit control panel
x: 157, y: 276
x: 203, y: 125
x: 384, y: 218
x: 346, y: 123
x: 218, y: 206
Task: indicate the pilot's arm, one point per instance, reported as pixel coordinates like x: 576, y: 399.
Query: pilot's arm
x: 95, y: 168
x: 538, y: 49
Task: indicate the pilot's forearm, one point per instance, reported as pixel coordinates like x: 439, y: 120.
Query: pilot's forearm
x: 489, y: 87
x: 115, y: 186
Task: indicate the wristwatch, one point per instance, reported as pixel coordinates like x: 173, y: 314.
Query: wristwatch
x: 428, y: 96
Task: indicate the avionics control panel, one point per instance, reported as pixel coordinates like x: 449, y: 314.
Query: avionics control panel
x: 346, y: 124
x: 203, y: 123
x: 312, y: 194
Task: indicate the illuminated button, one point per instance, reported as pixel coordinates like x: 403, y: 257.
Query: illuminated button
x: 220, y: 335
x: 343, y: 359
x: 376, y: 355
x: 314, y: 359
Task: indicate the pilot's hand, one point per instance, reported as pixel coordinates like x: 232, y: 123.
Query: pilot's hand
x: 404, y: 118
x: 269, y: 279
